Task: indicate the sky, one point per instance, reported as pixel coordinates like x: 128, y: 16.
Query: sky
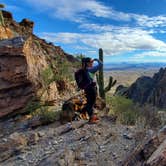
x: 126, y: 30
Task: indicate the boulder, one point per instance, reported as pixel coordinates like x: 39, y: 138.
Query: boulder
x: 24, y: 59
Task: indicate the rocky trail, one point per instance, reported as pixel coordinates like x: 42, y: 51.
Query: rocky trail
x: 79, y: 143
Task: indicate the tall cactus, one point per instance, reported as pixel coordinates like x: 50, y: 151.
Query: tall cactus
x: 100, y: 79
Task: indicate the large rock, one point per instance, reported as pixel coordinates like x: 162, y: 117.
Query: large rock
x: 14, y: 29
x: 23, y: 60
x: 147, y: 90
x: 15, y: 88
x: 158, y: 158
x: 150, y: 152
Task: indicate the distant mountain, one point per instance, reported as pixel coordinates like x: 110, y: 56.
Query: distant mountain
x: 128, y: 66
x: 147, y: 90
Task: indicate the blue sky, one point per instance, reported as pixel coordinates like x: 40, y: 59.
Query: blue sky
x: 127, y: 30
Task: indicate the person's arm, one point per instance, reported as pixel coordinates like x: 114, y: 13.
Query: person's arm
x: 97, y: 67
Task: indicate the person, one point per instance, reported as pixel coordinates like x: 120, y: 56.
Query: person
x: 91, y: 89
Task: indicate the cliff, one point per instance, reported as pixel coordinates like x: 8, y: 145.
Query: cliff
x: 27, y: 66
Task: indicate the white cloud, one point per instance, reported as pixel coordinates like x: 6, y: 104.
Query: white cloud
x: 72, y: 9
x: 151, y: 54
x: 82, y: 10
x: 113, y: 43
x: 145, y: 21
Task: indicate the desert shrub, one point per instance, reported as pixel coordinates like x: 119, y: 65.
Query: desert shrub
x: 124, y: 109
x: 64, y: 69
x: 2, y: 6
x: 150, y: 116
x: 36, y: 108
x: 129, y: 113
x: 79, y: 56
x: 2, y: 23
x: 32, y: 105
x: 48, y: 116
x: 37, y: 43
x: 48, y: 76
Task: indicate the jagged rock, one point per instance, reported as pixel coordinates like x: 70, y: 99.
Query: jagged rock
x: 15, y: 89
x: 144, y: 152
x: 158, y: 158
x: 13, y: 29
x: 147, y: 90
x: 23, y: 58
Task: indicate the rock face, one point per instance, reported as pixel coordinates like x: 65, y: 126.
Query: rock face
x: 15, y: 88
x: 13, y: 29
x: 23, y: 60
x: 147, y: 90
x: 150, y: 153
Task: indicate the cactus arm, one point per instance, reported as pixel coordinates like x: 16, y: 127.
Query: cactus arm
x: 110, y: 84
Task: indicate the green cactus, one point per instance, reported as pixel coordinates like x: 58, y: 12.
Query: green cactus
x: 100, y: 79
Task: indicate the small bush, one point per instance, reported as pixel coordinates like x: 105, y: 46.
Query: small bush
x: 46, y: 115
x: 124, y: 109
x: 2, y: 22
x: 36, y: 108
x: 130, y: 113
x: 47, y: 76
x: 2, y: 6
x: 32, y: 105
x: 150, y: 114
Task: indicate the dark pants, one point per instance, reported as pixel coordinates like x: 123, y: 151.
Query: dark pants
x: 90, y: 93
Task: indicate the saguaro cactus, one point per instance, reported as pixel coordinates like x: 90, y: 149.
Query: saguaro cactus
x: 100, y: 79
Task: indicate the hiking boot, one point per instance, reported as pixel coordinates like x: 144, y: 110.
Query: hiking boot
x: 94, y: 119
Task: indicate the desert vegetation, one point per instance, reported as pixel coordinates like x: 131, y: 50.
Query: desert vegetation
x: 130, y: 113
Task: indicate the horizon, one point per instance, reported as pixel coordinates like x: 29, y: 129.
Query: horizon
x: 132, y: 31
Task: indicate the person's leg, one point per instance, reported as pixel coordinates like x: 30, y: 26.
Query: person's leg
x: 91, y: 99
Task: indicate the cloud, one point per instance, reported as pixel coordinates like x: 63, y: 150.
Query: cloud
x: 145, y: 21
x: 84, y: 10
x: 71, y: 9
x: 117, y: 41
x: 151, y: 54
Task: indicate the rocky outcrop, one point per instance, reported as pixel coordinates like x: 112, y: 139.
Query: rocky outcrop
x: 147, y: 90
x: 15, y: 88
x: 27, y: 66
x: 13, y: 29
x: 151, y: 153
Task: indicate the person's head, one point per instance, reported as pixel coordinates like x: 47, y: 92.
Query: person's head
x: 87, y: 62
